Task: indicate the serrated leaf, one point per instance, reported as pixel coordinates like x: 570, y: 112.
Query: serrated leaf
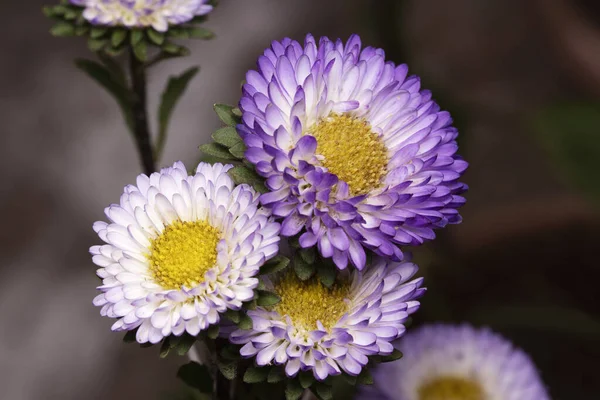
x: 118, y: 37
x: 365, y: 377
x: 241, y: 174
x: 306, y: 379
x: 141, y: 50
x: 327, y: 273
x: 308, y: 255
x: 256, y: 374
x: 276, y: 375
x: 245, y: 322
x: 97, y: 32
x: 212, y: 332
x: 216, y: 150
x: 96, y: 45
x: 293, y: 390
x: 267, y: 299
x: 226, y: 115
x: 275, y: 264
x: 396, y: 355
x: 303, y: 270
x: 101, y: 75
x: 184, y: 344
x: 232, y: 315
x: 227, y: 136
x: 155, y: 36
x: 62, y: 29
x: 238, y: 150
x: 176, y: 87
x: 200, y: 33
x: 196, y: 376
x: 324, y: 391
x: 136, y: 37
x: 228, y: 368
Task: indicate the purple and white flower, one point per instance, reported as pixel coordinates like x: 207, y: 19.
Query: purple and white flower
x: 355, y: 154
x: 158, y: 14
x: 179, y: 250
x: 457, y: 362
x: 330, y: 331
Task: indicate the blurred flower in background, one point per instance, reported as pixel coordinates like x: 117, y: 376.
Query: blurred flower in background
x: 446, y: 362
x: 158, y: 14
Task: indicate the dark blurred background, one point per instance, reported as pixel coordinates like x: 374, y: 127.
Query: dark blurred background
x: 522, y: 79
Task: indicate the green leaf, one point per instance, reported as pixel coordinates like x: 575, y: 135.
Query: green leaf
x: 327, y: 273
x: 396, y: 355
x: 228, y: 368
x: 118, y: 37
x: 227, y: 136
x: 63, y: 29
x: 97, y: 32
x: 201, y: 33
x: 176, y: 87
x: 275, y: 264
x: 324, y: 391
x: 308, y: 255
x: 130, y: 336
x: 570, y: 135
x: 212, y: 332
x: 230, y: 352
x: 155, y: 36
x: 350, y: 379
x: 303, y: 270
x: 245, y: 322
x: 276, y: 375
x: 136, y: 37
x: 226, y: 115
x: 96, y: 45
x: 256, y: 374
x: 174, y: 49
x: 238, y: 150
x: 141, y: 50
x: 241, y: 175
x: 196, y: 376
x: 81, y: 30
x: 184, y: 344
x: 306, y: 379
x: 293, y: 390
x: 216, y: 150
x: 232, y: 315
x: 114, y: 68
x: 104, y: 78
x: 365, y: 377
x: 267, y: 299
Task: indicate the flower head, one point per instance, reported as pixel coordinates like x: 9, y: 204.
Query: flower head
x: 355, y: 154
x: 158, y: 14
x: 330, y: 330
x: 180, y: 250
x: 457, y: 363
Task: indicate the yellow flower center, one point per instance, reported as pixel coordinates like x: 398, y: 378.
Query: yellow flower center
x: 307, y: 302
x: 352, y: 151
x: 451, y: 388
x: 183, y: 253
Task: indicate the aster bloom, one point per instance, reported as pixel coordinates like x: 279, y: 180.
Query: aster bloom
x: 158, y: 14
x: 180, y: 250
x: 444, y: 362
x: 354, y: 152
x: 330, y: 330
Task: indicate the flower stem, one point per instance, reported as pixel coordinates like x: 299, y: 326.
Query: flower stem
x: 137, y: 70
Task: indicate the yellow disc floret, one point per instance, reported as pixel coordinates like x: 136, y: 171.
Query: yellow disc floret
x: 352, y: 151
x: 451, y: 388
x: 307, y: 302
x: 183, y: 253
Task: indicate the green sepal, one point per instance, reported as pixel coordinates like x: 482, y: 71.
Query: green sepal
x: 226, y: 114
x: 196, y: 376
x: 63, y: 29
x: 323, y: 391
x: 327, y: 273
x: 238, y: 150
x: 140, y: 49
x: 309, y: 255
x: 118, y: 37
x: 97, y: 32
x: 276, y: 374
x: 158, y: 38
x: 303, y: 270
x: 216, y: 150
x: 293, y: 390
x: 184, y: 344
x: 350, y: 379
x: 306, y: 379
x: 267, y: 299
x: 230, y: 352
x: 174, y: 49
x: 256, y: 374
x: 136, y: 36
x: 232, y: 315
x: 396, y: 355
x: 81, y: 30
x: 245, y: 322
x: 228, y: 368
x: 275, y: 264
x: 227, y: 136
x: 365, y: 377
x: 130, y: 336
x: 200, y: 33
x: 241, y: 175
x: 212, y: 332
x: 96, y: 45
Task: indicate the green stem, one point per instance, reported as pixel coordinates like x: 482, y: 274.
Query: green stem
x: 137, y: 70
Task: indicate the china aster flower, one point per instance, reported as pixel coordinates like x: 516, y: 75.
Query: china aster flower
x: 158, y: 14
x: 444, y: 362
x: 330, y: 330
x: 180, y: 250
x: 355, y: 154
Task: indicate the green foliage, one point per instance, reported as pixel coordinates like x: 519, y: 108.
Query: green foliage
x: 196, y: 376
x: 306, y: 379
x: 227, y: 115
x: 293, y: 390
x: 323, y: 391
x: 176, y: 87
x: 256, y: 374
x: 245, y: 322
x: 229, y: 368
x: 241, y: 174
x: 212, y: 332
x: 327, y: 273
x: 267, y: 299
x: 570, y: 134
x: 365, y: 377
x: 275, y: 264
x: 227, y: 136
x: 303, y: 270
x: 276, y: 374
x: 63, y: 29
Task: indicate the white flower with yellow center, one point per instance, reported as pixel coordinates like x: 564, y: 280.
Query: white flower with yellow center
x: 180, y: 250
x: 445, y: 362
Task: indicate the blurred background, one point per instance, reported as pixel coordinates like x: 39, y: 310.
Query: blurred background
x: 521, y: 78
